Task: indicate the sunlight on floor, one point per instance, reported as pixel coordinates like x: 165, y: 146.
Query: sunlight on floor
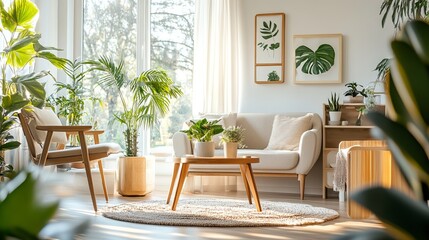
x: 123, y: 229
x: 217, y: 236
x: 264, y: 236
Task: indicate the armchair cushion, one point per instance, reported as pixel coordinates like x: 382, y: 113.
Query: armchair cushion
x: 287, y: 131
x: 45, y: 117
x: 107, y: 148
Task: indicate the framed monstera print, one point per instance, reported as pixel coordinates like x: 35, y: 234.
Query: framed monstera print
x: 318, y: 58
x: 269, y: 48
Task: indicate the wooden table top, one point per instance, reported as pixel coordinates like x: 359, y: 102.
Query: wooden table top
x: 217, y: 160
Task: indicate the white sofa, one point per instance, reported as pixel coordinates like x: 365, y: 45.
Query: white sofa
x: 258, y: 127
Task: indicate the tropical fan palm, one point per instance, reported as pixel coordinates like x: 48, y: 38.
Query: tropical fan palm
x: 151, y: 93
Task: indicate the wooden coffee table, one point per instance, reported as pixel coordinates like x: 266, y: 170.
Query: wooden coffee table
x: 245, y: 169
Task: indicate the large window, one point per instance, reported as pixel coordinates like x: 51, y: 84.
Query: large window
x: 110, y: 27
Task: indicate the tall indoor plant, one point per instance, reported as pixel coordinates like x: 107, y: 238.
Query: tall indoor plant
x: 144, y: 99
x: 20, y: 84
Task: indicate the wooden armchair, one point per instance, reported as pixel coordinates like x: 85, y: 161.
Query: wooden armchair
x: 42, y: 127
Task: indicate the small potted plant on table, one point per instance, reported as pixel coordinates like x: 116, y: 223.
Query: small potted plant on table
x: 203, y: 131
x: 352, y: 94
x: 334, y: 109
x: 232, y: 139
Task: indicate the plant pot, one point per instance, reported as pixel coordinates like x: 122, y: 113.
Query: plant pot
x: 350, y: 99
x: 204, y: 149
x: 136, y: 175
x: 230, y: 149
x: 334, y: 118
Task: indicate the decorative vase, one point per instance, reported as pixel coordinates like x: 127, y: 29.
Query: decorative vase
x: 350, y: 99
x: 335, y: 117
x: 136, y: 175
x: 204, y: 149
x: 230, y: 149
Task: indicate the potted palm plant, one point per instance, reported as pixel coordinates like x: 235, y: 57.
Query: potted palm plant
x: 149, y: 99
x: 232, y: 139
x: 334, y: 109
x: 202, y: 132
x: 20, y: 85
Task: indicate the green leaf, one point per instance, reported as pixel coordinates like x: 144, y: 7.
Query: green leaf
x: 315, y: 63
x: 417, y: 32
x: 413, y: 81
x: 23, y: 42
x: 409, y: 217
x: 21, y: 57
x: 13, y: 102
x: 21, y: 210
x: 52, y: 58
x: 6, y: 19
x: 24, y: 13
x: 9, y: 145
x: 30, y: 83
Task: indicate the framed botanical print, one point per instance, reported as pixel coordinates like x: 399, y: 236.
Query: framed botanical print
x: 269, y: 48
x: 318, y: 58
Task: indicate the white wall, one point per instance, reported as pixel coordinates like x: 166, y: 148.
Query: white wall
x: 365, y: 43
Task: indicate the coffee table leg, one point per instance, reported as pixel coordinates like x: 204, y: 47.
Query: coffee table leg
x: 246, y: 185
x: 173, y: 180
x: 183, y: 174
x: 252, y: 186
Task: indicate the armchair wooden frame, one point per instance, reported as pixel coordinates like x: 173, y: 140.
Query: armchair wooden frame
x: 43, y: 159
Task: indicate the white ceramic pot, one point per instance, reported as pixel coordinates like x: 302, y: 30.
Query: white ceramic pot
x: 204, y: 149
x: 230, y: 149
x: 335, y: 117
x: 136, y: 175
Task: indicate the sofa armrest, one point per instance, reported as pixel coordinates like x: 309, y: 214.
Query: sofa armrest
x: 181, y: 144
x: 309, y: 151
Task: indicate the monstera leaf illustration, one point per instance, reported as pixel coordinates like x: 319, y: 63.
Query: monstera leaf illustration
x: 315, y: 63
x: 269, y: 30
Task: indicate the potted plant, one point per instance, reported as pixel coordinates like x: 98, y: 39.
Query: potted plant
x: 334, y: 109
x: 20, y: 85
x: 232, y: 139
x: 203, y: 131
x: 144, y: 99
x: 352, y: 94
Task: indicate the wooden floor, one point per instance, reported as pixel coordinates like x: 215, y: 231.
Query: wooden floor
x: 80, y: 207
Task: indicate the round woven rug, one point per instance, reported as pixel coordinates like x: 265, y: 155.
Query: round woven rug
x: 219, y: 213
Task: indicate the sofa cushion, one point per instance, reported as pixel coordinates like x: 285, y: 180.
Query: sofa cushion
x: 276, y: 160
x: 286, y: 131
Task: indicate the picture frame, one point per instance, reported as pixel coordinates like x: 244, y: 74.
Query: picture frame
x: 322, y: 68
x: 269, y: 48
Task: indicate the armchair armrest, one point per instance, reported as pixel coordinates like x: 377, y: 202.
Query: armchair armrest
x: 60, y: 128
x: 309, y: 151
x: 181, y: 144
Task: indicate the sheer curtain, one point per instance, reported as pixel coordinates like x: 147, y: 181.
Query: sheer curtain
x: 215, y: 84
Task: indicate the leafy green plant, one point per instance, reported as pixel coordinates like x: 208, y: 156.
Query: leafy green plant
x: 354, y: 91
x: 203, y: 130
x: 149, y: 97
x: 273, y: 76
x: 269, y: 31
x: 406, y: 133
x: 22, y: 213
x: 19, y: 88
x: 402, y: 10
x: 233, y: 134
x: 334, y: 103
x: 315, y: 63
